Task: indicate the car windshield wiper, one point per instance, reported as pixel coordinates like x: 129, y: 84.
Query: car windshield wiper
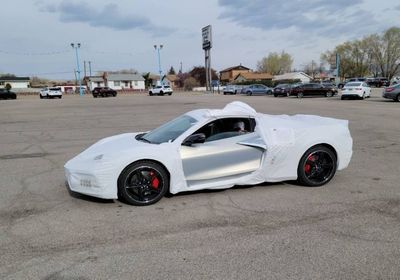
x: 140, y: 138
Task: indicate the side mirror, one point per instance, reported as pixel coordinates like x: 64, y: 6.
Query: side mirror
x: 197, y: 138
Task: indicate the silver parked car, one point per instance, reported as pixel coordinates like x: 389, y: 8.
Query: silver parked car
x: 256, y: 89
x: 392, y: 92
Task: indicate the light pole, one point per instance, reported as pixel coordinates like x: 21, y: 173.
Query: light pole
x: 76, y: 47
x: 158, y: 49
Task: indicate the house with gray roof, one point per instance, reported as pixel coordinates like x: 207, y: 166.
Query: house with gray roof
x: 117, y: 81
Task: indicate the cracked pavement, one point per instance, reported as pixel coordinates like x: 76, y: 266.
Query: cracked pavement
x: 348, y: 229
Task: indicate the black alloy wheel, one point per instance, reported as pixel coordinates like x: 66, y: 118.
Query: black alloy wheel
x: 317, y: 166
x: 143, y: 183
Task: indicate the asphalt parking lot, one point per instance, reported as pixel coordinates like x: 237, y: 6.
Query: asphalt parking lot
x: 348, y: 229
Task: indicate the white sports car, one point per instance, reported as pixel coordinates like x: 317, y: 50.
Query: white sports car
x: 212, y: 149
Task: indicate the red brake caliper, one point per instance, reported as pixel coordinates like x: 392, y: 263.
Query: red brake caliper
x: 154, y: 180
x: 307, y: 166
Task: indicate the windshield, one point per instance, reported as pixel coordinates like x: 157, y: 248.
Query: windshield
x: 170, y: 130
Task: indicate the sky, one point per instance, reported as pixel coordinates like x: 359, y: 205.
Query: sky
x: 114, y: 35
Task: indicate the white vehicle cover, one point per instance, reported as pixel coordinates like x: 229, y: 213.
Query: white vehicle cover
x: 284, y: 138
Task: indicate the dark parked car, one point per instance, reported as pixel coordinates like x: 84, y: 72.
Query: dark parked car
x: 282, y: 90
x: 5, y: 94
x: 103, y: 92
x: 378, y: 82
x: 392, y: 92
x: 312, y: 89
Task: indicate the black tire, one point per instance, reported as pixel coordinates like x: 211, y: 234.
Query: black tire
x: 94, y: 95
x: 317, y: 166
x: 275, y: 95
x: 300, y: 95
x: 143, y: 183
x: 363, y: 96
x: 161, y: 93
x: 41, y: 96
x: 329, y: 94
x: 170, y: 93
x: 60, y: 96
x: 397, y: 99
x: 249, y: 93
x: 150, y: 93
x: 224, y: 93
x: 342, y: 97
x: 114, y: 94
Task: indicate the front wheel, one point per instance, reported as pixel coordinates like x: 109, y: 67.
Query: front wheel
x: 41, y: 96
x: 317, y: 166
x: 143, y: 183
x: 397, y: 99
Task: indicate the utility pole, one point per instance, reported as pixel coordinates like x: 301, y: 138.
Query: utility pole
x: 158, y: 49
x: 76, y: 47
x: 180, y: 69
x: 90, y: 68
x: 84, y: 67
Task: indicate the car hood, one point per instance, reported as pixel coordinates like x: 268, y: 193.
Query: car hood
x: 111, y: 147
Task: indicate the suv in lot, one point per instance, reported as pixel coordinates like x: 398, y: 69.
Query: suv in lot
x: 312, y: 89
x: 50, y: 92
x: 103, y: 92
x: 378, y: 82
x: 160, y: 90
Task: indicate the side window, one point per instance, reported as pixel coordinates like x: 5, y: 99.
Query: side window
x: 226, y: 128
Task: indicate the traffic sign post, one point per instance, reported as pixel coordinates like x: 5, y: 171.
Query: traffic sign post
x: 207, y: 44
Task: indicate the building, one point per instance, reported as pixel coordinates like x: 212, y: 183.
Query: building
x: 252, y: 77
x: 303, y: 77
x: 15, y: 82
x: 116, y: 81
x: 228, y: 75
x: 172, y: 80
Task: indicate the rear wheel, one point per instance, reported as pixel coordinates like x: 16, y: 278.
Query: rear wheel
x: 143, y: 183
x: 397, y: 99
x: 249, y: 93
x: 329, y: 94
x: 150, y: 93
x: 300, y: 95
x: 317, y: 166
x: 275, y: 95
x: 161, y: 93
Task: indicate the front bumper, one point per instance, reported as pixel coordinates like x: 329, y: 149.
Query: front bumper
x: 89, y: 183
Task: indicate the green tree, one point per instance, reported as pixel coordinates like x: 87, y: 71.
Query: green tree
x: 171, y: 71
x: 377, y: 55
x: 8, y: 87
x: 275, y: 63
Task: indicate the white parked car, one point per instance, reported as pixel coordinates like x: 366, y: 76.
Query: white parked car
x: 212, y: 149
x: 356, y: 89
x: 160, y: 90
x: 50, y: 92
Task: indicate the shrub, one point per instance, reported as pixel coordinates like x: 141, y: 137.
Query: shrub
x: 190, y: 83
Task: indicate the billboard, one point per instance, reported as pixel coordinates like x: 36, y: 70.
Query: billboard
x: 207, y: 37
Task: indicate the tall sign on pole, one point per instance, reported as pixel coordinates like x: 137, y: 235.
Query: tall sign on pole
x: 207, y: 44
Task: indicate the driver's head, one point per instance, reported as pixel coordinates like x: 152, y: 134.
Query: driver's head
x: 238, y: 126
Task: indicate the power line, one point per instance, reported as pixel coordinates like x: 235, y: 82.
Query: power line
x: 35, y: 54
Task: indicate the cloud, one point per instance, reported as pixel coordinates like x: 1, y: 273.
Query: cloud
x: 316, y: 16
x: 108, y: 16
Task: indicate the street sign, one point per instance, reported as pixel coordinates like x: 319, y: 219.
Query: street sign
x: 207, y: 37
